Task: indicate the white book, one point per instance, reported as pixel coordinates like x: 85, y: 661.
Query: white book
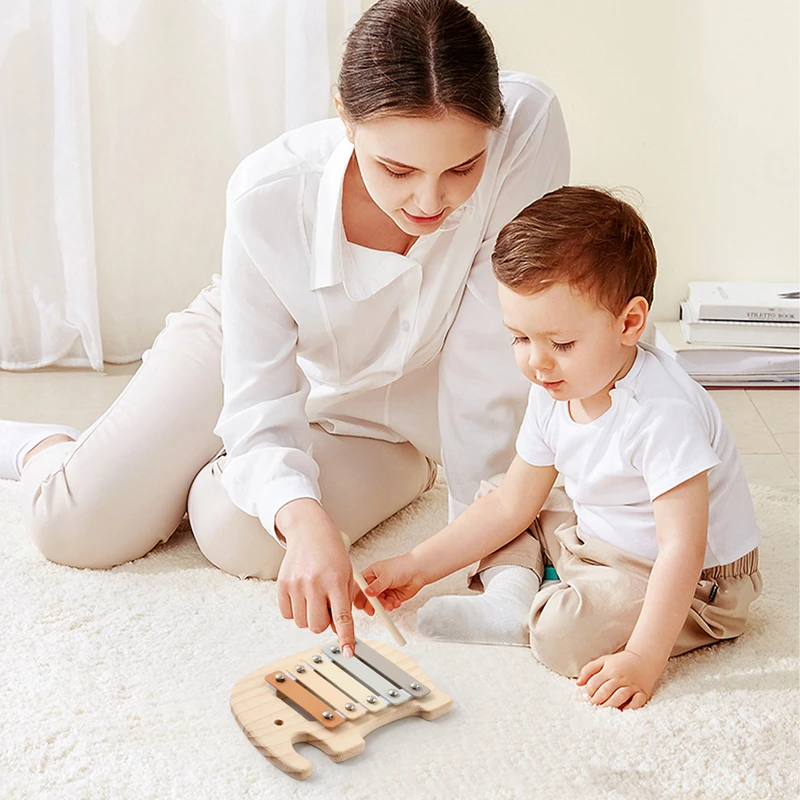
x: 737, y: 333
x: 735, y: 366
x: 753, y: 302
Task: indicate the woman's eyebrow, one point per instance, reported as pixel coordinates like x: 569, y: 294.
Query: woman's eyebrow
x: 407, y: 166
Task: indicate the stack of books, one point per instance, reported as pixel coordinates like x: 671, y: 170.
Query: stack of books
x: 737, y: 334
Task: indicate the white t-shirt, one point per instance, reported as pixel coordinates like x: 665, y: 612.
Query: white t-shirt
x: 662, y: 429
x: 366, y: 342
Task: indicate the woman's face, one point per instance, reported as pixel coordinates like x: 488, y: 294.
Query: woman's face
x: 418, y: 170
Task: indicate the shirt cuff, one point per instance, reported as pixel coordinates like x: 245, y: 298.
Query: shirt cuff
x: 276, y: 494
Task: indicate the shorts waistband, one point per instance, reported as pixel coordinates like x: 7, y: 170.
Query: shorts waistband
x: 746, y: 565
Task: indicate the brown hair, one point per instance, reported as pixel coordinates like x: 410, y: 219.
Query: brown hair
x: 420, y: 58
x: 582, y: 236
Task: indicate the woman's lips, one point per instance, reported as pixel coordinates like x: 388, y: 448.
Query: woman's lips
x: 423, y: 220
x: 551, y: 384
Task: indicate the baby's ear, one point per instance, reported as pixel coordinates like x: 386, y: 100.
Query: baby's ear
x: 634, y: 320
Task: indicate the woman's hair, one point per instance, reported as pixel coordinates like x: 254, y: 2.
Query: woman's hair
x: 420, y: 58
x: 581, y: 236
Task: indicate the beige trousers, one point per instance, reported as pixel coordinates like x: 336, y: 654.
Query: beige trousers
x: 593, y: 607
x: 127, y: 483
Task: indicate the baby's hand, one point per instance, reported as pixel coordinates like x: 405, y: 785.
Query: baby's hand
x: 622, y: 680
x: 392, y: 581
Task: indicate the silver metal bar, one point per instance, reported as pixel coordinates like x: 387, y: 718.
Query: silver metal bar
x: 390, y: 670
x: 364, y: 673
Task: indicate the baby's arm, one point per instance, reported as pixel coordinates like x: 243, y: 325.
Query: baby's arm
x: 485, y: 526
x: 627, y: 678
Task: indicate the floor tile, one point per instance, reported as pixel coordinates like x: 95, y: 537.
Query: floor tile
x: 793, y: 459
x: 788, y: 442
x: 749, y: 429
x: 779, y: 408
x: 769, y: 470
x: 71, y: 397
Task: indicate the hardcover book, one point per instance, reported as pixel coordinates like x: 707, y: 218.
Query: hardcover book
x: 749, y: 302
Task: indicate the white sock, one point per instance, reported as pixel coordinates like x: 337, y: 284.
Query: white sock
x: 17, y: 439
x: 498, y: 616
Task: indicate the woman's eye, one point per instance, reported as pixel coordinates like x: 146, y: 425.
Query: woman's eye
x: 394, y: 174
x: 562, y: 345
x: 519, y: 340
x: 466, y: 171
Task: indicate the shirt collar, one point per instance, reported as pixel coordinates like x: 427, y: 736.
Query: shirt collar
x: 328, y: 229
x: 333, y: 258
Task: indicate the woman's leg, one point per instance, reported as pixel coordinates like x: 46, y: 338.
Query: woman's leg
x: 363, y: 482
x: 122, y: 487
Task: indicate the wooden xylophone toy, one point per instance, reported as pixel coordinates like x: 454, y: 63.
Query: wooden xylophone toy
x: 342, y: 700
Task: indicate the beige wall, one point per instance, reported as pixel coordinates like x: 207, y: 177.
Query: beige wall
x: 694, y: 103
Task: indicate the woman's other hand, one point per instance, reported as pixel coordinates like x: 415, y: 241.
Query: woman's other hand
x: 392, y: 581
x: 315, y: 581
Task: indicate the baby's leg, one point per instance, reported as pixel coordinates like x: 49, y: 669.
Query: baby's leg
x: 122, y: 487
x: 362, y: 481
x: 591, y: 611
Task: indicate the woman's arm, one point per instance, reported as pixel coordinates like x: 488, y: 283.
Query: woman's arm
x: 270, y: 472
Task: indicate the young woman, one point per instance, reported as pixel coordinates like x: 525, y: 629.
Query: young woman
x: 358, y: 327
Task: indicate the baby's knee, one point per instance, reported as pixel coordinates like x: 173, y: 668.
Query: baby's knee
x: 564, y: 639
x: 229, y: 538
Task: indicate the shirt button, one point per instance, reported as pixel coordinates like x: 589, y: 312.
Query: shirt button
x: 405, y: 326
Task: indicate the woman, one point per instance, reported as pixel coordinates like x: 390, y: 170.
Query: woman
x: 358, y: 327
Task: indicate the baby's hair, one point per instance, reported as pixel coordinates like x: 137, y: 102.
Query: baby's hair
x: 581, y: 236
x: 420, y: 58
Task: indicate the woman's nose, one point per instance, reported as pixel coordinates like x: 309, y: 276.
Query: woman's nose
x: 428, y: 198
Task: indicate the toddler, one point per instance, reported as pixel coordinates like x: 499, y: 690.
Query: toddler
x: 656, y: 554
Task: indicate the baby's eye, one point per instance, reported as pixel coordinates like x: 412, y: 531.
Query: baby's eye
x: 562, y: 345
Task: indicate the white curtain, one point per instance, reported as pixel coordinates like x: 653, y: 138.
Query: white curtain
x: 120, y: 123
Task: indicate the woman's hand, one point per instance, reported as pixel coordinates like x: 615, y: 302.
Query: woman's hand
x: 315, y: 581
x: 392, y: 581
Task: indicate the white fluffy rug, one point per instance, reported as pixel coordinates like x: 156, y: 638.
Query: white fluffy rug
x: 116, y: 685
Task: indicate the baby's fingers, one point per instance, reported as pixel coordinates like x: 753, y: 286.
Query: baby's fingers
x: 619, y: 698
x: 590, y: 669
x: 637, y: 701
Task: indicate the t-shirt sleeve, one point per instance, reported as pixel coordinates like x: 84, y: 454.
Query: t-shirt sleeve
x: 533, y: 446
x: 669, y: 443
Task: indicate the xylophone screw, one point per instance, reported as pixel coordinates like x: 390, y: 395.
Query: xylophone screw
x: 393, y: 692
x: 349, y: 707
x: 280, y: 677
x: 300, y: 668
x: 415, y: 686
x: 335, y: 650
x: 372, y: 699
x: 327, y: 715
x: 317, y: 659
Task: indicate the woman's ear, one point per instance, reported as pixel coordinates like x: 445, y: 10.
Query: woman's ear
x: 634, y: 320
x: 348, y: 128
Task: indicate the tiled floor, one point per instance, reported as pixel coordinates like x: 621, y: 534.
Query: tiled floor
x: 765, y: 422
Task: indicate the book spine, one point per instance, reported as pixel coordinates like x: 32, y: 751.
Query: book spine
x: 706, y: 311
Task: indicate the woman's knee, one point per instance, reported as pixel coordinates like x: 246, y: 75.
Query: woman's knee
x: 232, y: 540
x: 88, y: 529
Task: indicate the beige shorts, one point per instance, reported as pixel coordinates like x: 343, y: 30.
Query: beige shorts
x: 592, y: 608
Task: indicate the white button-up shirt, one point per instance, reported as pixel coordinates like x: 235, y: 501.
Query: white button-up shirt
x: 366, y: 342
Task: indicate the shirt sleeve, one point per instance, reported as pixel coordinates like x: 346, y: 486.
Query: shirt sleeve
x: 481, y: 390
x: 263, y: 423
x: 532, y: 445
x: 669, y: 444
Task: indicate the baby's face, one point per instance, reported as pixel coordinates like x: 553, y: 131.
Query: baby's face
x: 566, y: 343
